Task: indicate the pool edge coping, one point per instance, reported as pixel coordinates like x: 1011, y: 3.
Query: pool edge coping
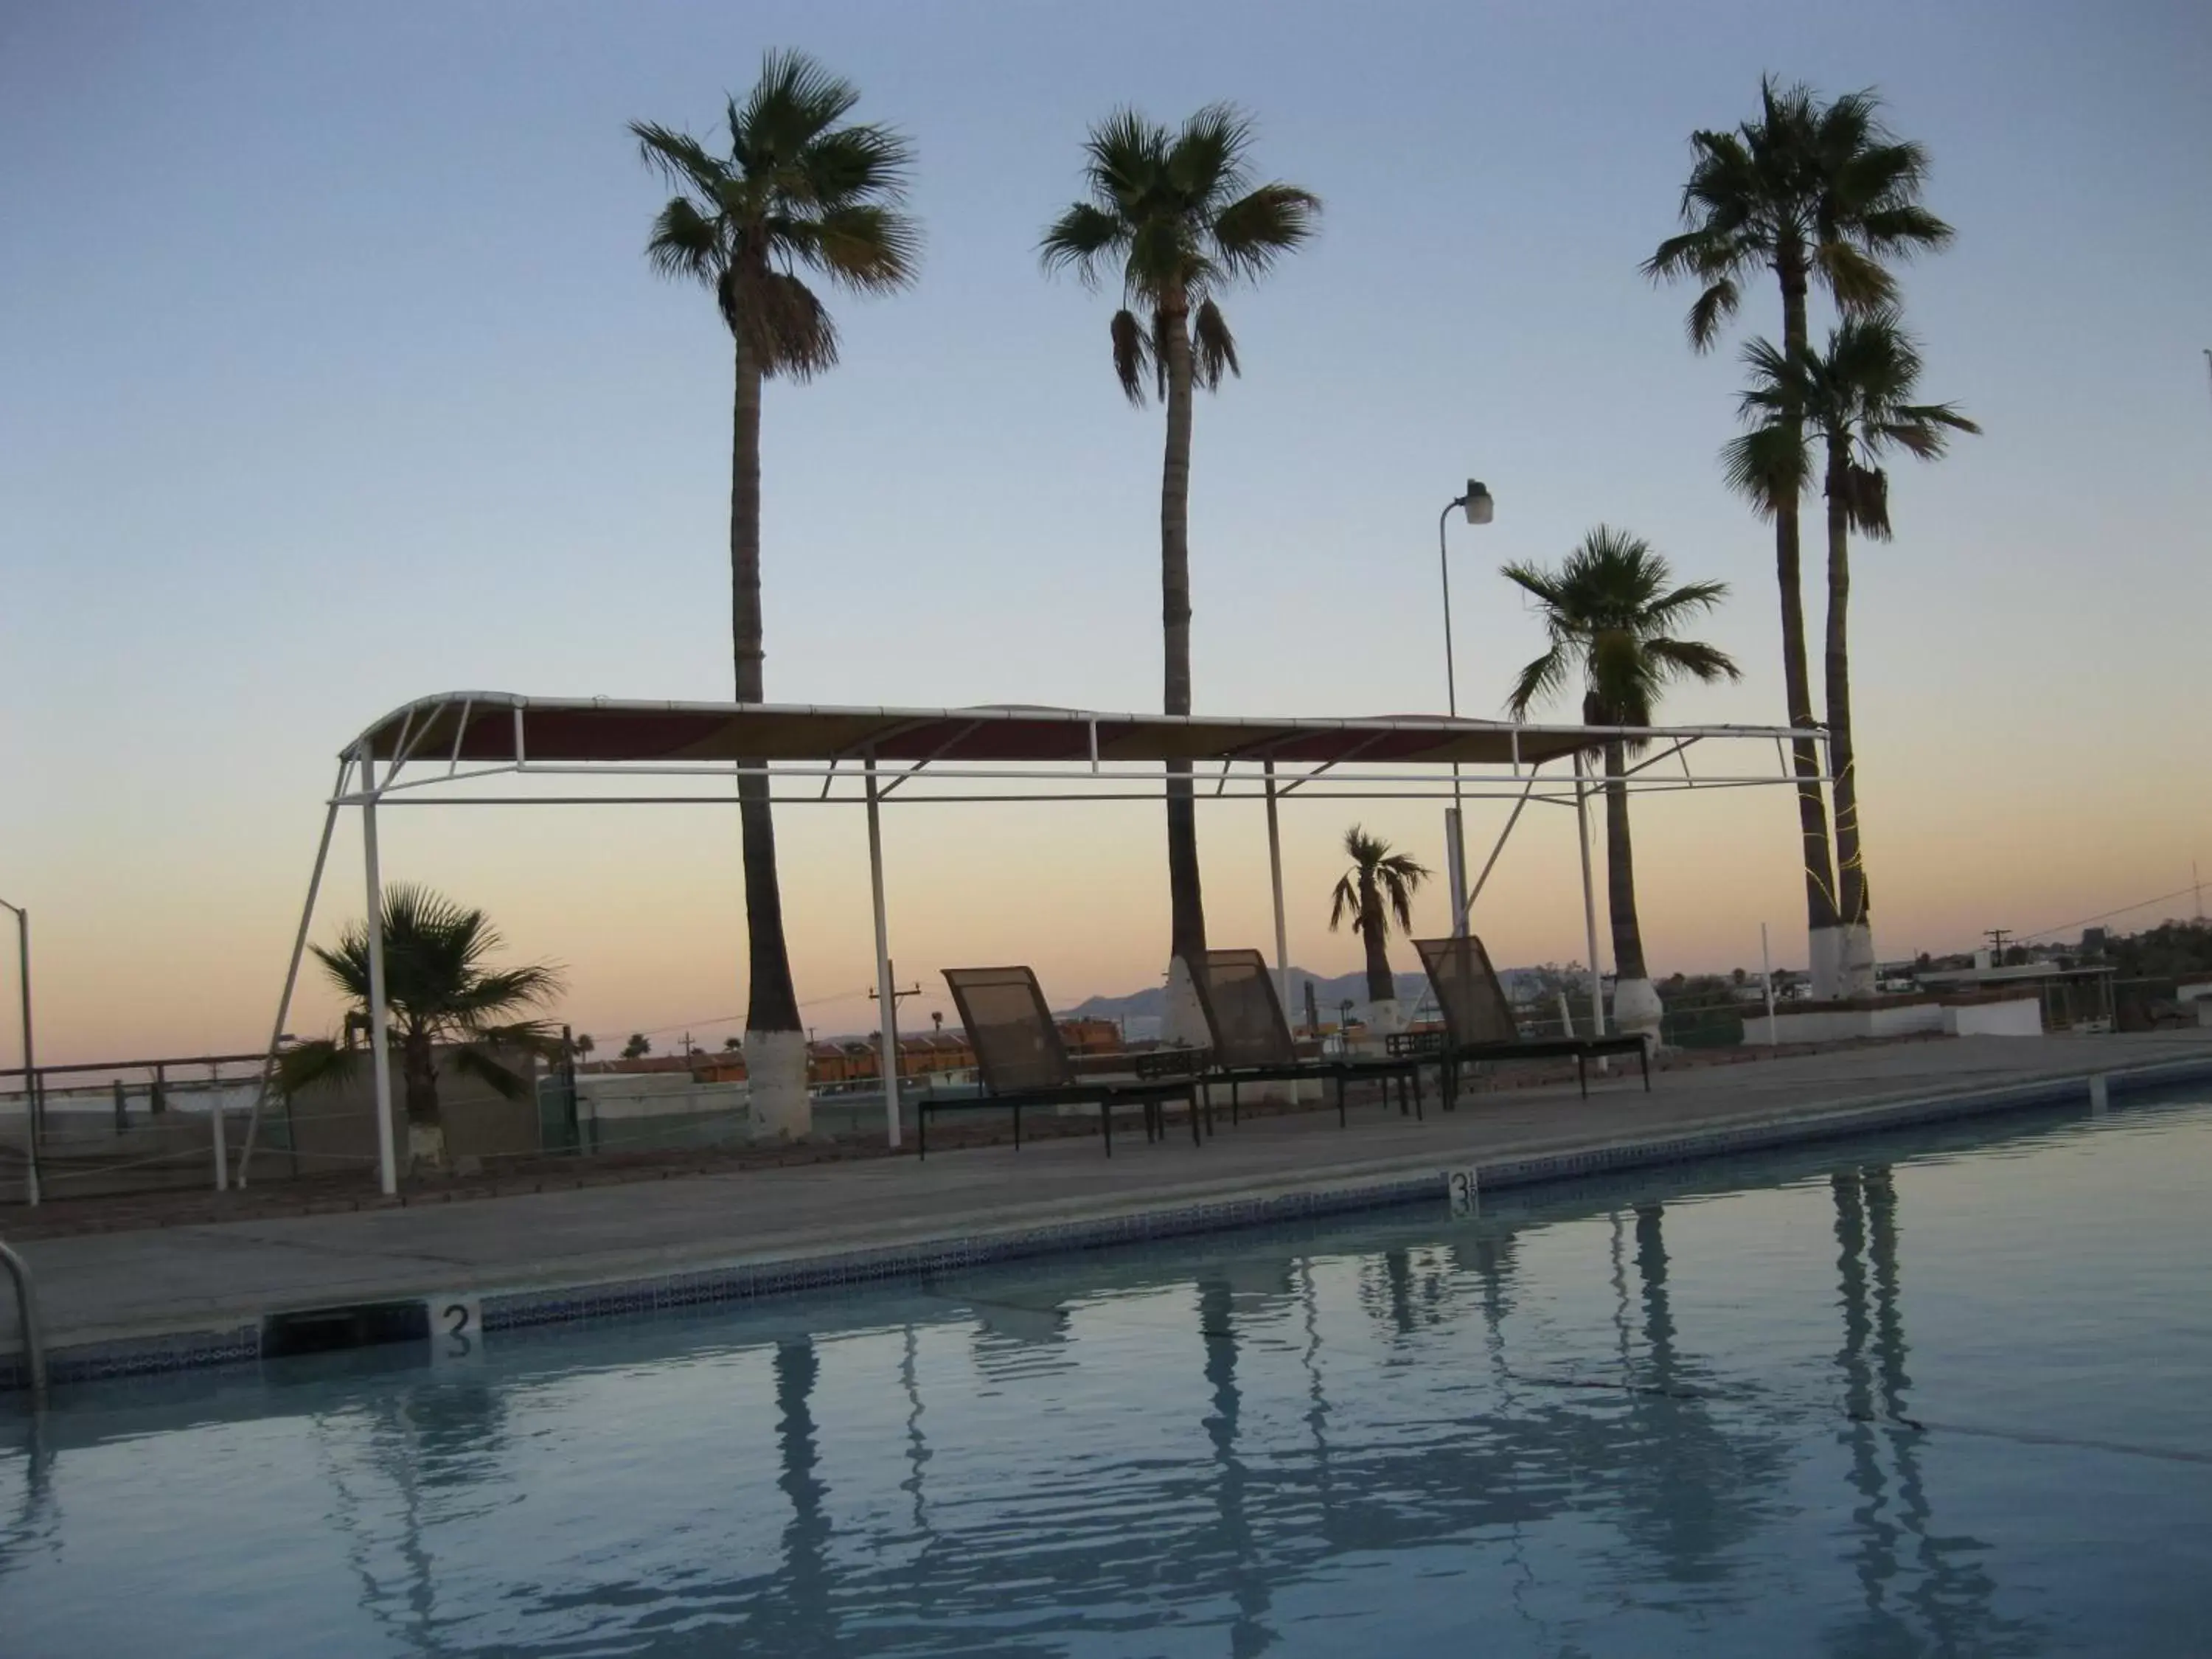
x: 796, y: 1273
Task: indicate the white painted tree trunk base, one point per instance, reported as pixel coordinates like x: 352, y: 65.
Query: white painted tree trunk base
x: 425, y: 1147
x: 1855, y: 964
x: 1183, y: 1023
x: 1824, y: 964
x: 1385, y: 1018
x: 775, y: 1074
x: 1637, y: 1010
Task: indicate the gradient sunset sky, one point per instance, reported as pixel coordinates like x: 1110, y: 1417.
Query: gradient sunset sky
x: 334, y: 375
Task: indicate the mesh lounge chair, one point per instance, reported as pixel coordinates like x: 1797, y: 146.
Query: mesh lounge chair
x: 1252, y: 1040
x: 1478, y: 1020
x: 1023, y: 1061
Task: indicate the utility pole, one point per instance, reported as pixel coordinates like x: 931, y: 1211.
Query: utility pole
x: 1997, y: 937
x: 887, y: 1041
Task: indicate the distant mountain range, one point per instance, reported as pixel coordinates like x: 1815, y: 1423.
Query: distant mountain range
x: 1142, y: 1011
x: 1150, y: 1003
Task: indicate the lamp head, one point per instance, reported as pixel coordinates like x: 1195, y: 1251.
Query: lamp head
x: 1477, y: 502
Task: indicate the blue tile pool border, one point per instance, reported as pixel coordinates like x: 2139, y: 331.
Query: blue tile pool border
x: 748, y: 1281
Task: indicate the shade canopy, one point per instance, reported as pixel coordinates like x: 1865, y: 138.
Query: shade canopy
x: 486, y: 725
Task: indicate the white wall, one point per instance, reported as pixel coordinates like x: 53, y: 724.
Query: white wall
x: 2023, y: 1017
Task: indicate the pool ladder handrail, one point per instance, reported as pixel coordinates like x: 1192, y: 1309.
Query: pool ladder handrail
x: 26, y: 1313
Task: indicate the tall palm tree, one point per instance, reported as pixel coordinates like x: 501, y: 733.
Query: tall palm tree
x: 1612, y: 611
x: 1853, y: 403
x: 439, y: 991
x: 799, y: 189
x: 1813, y: 192
x: 1380, y: 883
x: 1175, y: 215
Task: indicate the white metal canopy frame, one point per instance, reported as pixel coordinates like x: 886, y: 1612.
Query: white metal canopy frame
x: 497, y: 749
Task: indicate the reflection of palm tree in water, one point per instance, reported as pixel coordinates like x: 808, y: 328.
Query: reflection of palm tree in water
x: 802, y: 1607
x: 1950, y: 1592
x: 39, y: 1516
x: 445, y: 1435
x: 1695, y: 1486
x: 1248, y: 1577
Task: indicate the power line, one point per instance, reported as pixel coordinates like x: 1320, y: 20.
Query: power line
x: 2069, y: 927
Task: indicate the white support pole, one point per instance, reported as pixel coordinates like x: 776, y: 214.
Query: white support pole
x: 886, y: 996
x: 1275, y: 885
x: 387, y: 1162
x: 1589, y: 901
x: 1456, y: 861
x: 291, y: 977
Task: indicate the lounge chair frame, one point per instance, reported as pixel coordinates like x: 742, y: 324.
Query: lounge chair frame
x: 1252, y: 1040
x: 1478, y: 1023
x: 1021, y: 1061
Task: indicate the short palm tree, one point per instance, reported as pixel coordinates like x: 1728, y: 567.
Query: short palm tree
x: 1612, y: 612
x: 1380, y: 884
x: 439, y: 991
x: 1175, y: 216
x: 799, y: 189
x: 1853, y: 401
x: 1813, y: 191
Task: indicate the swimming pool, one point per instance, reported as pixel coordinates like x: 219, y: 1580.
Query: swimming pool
x: 1941, y: 1392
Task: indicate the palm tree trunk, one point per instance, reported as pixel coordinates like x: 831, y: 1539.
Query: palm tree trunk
x: 771, y: 1005
x: 426, y: 1123
x: 1851, y: 894
x: 1381, y: 986
x: 418, y: 1072
x: 1812, y: 815
x: 1187, y: 913
x: 1620, y: 873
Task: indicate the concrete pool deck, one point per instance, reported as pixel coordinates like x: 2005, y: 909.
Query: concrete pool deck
x: 158, y: 1299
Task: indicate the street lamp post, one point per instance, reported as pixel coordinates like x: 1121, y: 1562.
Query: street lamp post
x: 30, y: 1055
x: 1479, y: 506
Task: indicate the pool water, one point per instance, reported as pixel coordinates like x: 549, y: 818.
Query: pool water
x: 1944, y: 1392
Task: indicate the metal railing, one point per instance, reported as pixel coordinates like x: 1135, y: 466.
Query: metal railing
x: 27, y: 1314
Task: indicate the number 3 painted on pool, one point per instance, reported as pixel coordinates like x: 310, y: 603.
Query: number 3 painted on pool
x: 1464, y: 1188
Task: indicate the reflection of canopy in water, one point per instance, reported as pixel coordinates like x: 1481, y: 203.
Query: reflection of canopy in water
x: 483, y: 748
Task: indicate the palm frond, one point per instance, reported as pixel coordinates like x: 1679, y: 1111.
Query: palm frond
x: 1252, y: 234
x: 677, y: 157
x: 787, y: 328
x: 866, y: 164
x: 1688, y: 658
x: 1865, y: 493
x: 1080, y: 240
x: 1766, y: 468
x: 1538, y: 682
x: 1205, y: 162
x: 1712, y: 309
x: 864, y: 247
x: 1213, y: 349
x: 1667, y: 609
x: 475, y: 1060
x: 319, y: 1064
x: 1345, y: 899
x: 1133, y: 354
x: 1401, y: 877
x: 684, y: 243
x: 792, y: 103
x: 1859, y: 283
